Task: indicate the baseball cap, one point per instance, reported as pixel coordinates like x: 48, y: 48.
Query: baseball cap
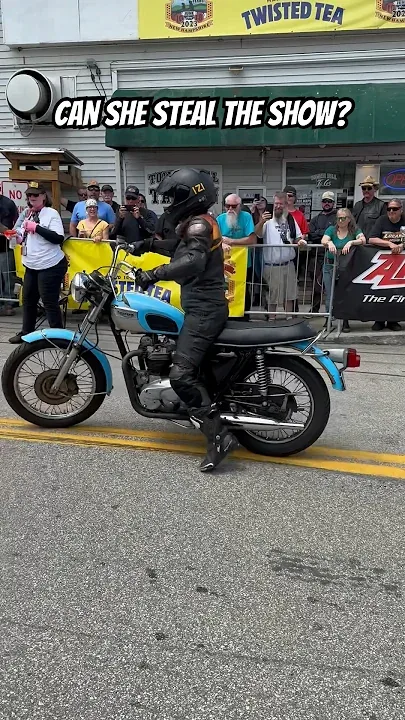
x: 328, y: 195
x: 91, y: 202
x: 290, y: 189
x: 35, y: 188
x: 131, y: 190
x: 93, y: 184
x: 107, y: 187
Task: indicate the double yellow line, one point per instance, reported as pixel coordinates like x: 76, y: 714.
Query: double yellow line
x: 352, y: 462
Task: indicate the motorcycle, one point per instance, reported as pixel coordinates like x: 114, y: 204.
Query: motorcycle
x: 262, y: 375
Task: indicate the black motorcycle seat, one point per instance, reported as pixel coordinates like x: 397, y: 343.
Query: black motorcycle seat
x: 261, y: 333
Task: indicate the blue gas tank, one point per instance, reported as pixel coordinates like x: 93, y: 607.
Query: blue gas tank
x: 136, y: 312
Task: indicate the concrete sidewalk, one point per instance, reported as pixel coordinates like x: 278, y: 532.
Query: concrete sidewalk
x: 360, y: 334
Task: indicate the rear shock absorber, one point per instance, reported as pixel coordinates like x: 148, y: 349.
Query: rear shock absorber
x: 262, y: 374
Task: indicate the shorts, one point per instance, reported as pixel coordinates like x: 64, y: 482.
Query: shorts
x: 281, y: 281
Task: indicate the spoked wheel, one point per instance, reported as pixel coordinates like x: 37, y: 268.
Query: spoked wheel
x: 29, y: 373
x: 296, y: 394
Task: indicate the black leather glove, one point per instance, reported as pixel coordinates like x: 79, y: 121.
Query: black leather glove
x: 137, y: 248
x: 145, y: 278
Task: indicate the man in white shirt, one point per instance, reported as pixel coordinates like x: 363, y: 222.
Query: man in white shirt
x: 279, y: 275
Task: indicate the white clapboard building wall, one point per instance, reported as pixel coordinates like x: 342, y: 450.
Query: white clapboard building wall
x: 87, y: 68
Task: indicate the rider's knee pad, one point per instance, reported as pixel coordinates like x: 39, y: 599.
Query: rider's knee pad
x: 183, y: 379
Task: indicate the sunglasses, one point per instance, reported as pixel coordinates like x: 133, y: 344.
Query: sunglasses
x: 367, y: 187
x: 328, y: 202
x: 291, y: 195
x: 393, y: 209
x: 229, y: 207
x: 32, y: 195
x: 342, y: 217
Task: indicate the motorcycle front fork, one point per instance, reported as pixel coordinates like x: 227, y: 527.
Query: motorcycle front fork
x: 88, y: 323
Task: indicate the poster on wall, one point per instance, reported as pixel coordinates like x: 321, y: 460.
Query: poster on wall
x: 154, y: 174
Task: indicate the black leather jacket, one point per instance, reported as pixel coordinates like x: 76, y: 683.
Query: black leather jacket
x: 366, y: 214
x: 197, y: 262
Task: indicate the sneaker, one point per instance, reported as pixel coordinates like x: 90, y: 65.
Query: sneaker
x: 16, y: 339
x: 345, y: 326
x: 395, y: 326
x: 378, y: 326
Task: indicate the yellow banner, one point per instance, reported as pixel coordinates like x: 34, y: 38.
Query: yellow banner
x: 193, y: 18
x: 85, y: 255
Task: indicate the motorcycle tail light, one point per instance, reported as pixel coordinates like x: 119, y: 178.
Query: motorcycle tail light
x: 353, y: 358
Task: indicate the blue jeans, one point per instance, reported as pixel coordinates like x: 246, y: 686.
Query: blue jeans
x: 327, y: 281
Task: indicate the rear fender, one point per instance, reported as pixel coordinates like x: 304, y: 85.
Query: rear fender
x: 332, y: 371
x: 59, y: 334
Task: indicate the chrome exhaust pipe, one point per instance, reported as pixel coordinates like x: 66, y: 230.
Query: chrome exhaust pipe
x: 252, y: 422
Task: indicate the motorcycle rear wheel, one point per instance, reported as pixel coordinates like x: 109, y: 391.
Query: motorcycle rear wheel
x: 14, y: 396
x: 320, y: 411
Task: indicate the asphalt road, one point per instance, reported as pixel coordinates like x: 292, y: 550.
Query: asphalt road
x: 134, y: 587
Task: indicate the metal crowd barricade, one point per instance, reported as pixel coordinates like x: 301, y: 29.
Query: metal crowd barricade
x: 10, y: 283
x: 281, y: 285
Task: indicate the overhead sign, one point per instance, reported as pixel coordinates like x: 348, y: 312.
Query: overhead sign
x: 154, y: 174
x: 197, y: 18
x: 16, y: 192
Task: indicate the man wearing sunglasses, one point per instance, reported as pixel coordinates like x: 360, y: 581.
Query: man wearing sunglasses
x: 317, y: 228
x: 367, y: 211
x: 387, y: 233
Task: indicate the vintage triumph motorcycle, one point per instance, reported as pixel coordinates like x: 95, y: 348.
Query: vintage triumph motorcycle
x: 262, y: 375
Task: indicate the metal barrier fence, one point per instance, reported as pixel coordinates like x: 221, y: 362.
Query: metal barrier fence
x: 290, y: 281
x: 282, y: 281
x: 10, y: 284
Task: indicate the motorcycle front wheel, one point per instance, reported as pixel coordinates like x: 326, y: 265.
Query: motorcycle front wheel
x: 297, y: 394
x: 27, y: 377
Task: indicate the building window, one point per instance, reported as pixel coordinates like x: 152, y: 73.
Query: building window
x: 312, y: 179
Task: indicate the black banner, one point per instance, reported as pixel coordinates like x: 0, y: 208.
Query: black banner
x: 370, y: 285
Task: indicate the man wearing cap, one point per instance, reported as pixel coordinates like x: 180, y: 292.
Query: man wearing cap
x: 105, y: 211
x: 317, y: 228
x: 367, y: 211
x: 298, y: 216
x: 131, y: 221
x: 107, y: 193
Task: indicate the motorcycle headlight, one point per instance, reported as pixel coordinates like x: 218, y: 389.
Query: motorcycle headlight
x: 78, y: 287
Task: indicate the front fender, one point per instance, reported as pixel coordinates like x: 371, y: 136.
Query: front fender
x: 59, y: 334
x: 326, y: 363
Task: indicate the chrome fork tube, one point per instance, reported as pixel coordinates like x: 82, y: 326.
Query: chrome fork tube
x: 89, y: 321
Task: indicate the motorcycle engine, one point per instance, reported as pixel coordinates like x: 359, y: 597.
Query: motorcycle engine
x: 157, y: 356
x: 158, y: 394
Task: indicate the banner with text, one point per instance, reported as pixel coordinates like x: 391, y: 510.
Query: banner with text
x: 196, y: 18
x: 86, y: 256
x: 370, y: 286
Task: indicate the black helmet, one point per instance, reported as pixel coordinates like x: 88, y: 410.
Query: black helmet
x: 191, y: 191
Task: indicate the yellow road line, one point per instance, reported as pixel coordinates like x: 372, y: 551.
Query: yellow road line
x: 313, y: 452
x: 63, y: 438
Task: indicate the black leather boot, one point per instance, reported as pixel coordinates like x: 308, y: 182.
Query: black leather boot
x: 220, y: 441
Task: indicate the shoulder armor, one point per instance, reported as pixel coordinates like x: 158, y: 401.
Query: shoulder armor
x: 199, y: 227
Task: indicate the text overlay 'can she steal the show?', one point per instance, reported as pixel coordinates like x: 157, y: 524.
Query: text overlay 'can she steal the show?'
x: 90, y: 112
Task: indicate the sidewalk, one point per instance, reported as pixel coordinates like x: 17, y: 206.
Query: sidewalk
x: 360, y: 334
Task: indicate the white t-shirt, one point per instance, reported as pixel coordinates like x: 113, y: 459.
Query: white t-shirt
x: 42, y: 254
x: 272, y: 231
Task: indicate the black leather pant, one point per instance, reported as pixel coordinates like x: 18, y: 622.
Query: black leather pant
x: 200, y: 330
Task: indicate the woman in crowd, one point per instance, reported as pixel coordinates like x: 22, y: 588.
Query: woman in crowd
x: 41, y: 236
x: 340, y: 237
x: 92, y: 227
